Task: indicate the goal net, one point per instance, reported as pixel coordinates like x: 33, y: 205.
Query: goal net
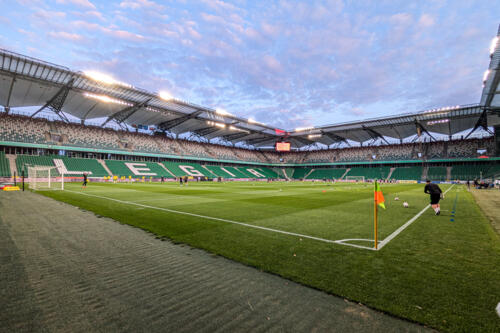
x: 45, y: 178
x: 355, y: 178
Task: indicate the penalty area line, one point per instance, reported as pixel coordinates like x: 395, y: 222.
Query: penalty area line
x: 223, y: 220
x: 406, y: 225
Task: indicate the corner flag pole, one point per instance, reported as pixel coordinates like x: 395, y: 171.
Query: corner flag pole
x: 375, y: 215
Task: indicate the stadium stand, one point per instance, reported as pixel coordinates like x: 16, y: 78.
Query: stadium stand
x: 330, y: 173
x: 301, y: 173
x: 181, y: 169
x: 407, y: 173
x: 136, y: 169
x: 437, y: 173
x: 23, y: 129
x: 468, y: 172
x: 23, y: 161
x: 4, y: 165
x: 370, y: 173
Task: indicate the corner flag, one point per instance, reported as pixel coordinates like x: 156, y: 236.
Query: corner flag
x: 379, y: 197
x: 378, y: 201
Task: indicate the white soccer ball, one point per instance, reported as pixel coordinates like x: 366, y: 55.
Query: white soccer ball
x: 396, y: 198
x: 405, y: 204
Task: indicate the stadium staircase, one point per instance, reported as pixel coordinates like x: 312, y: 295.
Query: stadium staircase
x: 345, y: 173
x: 307, y: 174
x: 101, y: 162
x: 209, y: 171
x: 448, y: 173
x: 168, y: 171
x: 425, y: 173
x: 390, y: 173
x: 12, y: 163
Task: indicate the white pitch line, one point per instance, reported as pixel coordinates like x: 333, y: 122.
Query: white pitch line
x: 216, y: 219
x: 404, y: 226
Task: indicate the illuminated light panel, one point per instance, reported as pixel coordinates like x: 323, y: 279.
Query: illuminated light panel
x: 232, y: 128
x: 301, y: 129
x: 165, y: 95
x: 107, y: 99
x: 213, y: 123
x: 222, y: 112
x: 434, y: 122
x: 314, y: 136
x: 493, y: 45
x: 104, y: 78
x: 485, y: 75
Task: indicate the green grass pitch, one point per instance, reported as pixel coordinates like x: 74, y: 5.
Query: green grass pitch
x: 442, y: 273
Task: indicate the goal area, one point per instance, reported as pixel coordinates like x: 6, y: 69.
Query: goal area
x: 355, y: 178
x: 45, y: 178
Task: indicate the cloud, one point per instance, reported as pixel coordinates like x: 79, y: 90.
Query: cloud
x: 141, y: 4
x: 65, y: 35
x: 426, y: 21
x: 81, y: 3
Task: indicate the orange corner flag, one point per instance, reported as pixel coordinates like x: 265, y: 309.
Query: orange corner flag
x: 379, y: 197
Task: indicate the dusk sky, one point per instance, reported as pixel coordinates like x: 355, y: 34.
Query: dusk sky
x: 285, y: 63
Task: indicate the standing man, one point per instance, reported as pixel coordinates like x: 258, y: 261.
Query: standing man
x: 180, y: 181
x: 84, y: 184
x: 468, y: 184
x: 435, y: 192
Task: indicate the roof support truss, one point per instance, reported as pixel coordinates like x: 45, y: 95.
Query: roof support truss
x: 234, y: 136
x: 56, y: 103
x: 206, y: 130
x: 256, y: 141
x: 124, y: 114
x: 166, y: 125
x: 421, y: 129
x: 482, y: 122
x: 374, y: 134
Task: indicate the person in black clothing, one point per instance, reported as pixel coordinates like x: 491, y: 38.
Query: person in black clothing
x: 84, y: 185
x: 435, y: 192
x: 185, y: 180
x: 180, y: 181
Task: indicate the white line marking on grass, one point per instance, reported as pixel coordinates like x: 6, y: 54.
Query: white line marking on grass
x: 221, y: 220
x: 406, y: 225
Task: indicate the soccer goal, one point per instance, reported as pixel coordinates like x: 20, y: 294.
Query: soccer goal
x: 360, y: 179
x: 45, y: 178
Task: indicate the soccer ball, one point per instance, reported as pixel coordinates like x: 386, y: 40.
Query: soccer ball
x: 396, y: 198
x: 405, y: 204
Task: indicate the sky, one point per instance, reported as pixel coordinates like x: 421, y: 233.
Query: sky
x: 288, y: 64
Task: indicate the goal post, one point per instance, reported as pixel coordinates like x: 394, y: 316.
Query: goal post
x: 45, y: 178
x: 355, y: 178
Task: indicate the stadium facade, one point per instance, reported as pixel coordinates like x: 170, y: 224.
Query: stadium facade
x: 138, y: 134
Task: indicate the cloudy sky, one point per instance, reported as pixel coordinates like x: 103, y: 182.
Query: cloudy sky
x: 286, y: 63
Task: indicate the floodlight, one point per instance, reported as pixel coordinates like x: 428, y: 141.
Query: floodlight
x: 165, y: 95
x: 222, y: 112
x: 104, y: 78
x: 106, y: 99
x: 493, y: 45
x: 485, y: 75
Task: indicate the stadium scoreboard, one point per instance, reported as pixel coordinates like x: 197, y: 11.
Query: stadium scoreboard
x: 283, y: 146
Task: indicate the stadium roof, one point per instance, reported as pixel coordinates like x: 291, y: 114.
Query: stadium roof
x: 25, y: 81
